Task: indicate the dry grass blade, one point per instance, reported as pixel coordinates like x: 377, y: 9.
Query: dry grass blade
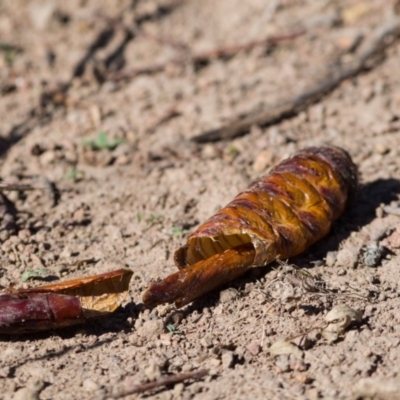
x: 303, y: 279
x: 16, y: 187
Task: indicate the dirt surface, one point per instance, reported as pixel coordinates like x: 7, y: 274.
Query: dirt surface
x: 63, y: 80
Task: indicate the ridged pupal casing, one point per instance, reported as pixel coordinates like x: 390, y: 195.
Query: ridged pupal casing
x: 281, y: 214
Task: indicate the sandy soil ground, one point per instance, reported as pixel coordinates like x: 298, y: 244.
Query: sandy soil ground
x: 71, y: 70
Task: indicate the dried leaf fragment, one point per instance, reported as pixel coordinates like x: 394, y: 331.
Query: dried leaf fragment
x: 63, y: 304
x: 103, y: 292
x: 284, y: 347
x: 338, y: 320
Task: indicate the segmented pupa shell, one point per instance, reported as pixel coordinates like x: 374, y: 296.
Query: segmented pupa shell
x: 281, y: 214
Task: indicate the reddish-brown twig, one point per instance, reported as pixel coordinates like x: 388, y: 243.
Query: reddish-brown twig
x: 229, y: 51
x: 163, y: 381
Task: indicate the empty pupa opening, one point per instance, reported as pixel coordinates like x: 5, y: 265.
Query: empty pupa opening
x: 202, y: 248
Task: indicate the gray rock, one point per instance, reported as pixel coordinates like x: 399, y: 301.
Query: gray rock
x: 31, y: 391
x: 228, y: 359
x: 372, y: 254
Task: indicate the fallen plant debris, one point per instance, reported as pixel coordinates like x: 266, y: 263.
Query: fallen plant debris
x: 372, y: 54
x: 102, y: 142
x: 284, y: 347
x: 205, y: 57
x: 307, y: 284
x: 15, y: 186
x: 34, y: 274
x: 163, y: 381
x: 278, y: 217
x: 338, y: 320
x: 62, y: 304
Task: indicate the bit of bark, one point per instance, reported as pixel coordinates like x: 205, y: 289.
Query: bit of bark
x: 164, y: 381
x: 103, y: 292
x: 15, y: 186
x: 63, y: 304
x: 372, y: 54
x: 23, y: 313
x: 191, y: 282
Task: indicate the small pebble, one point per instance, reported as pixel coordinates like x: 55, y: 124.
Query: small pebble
x: 31, y: 391
x: 178, y: 362
x: 372, y: 254
x: 206, y: 341
x: 348, y: 257
x: 5, y: 372
x: 303, y: 378
x: 331, y: 258
x: 393, y: 241
x: 253, y: 348
x: 90, y: 385
x: 263, y: 160
x: 213, y: 363
x: 178, y: 390
x: 228, y: 295
x: 153, y: 371
x: 151, y: 328
x: 227, y: 359
x: 282, y: 363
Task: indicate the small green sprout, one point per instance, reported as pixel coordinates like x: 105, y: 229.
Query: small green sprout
x: 103, y: 142
x: 74, y: 174
x: 178, y: 231
x: 233, y: 151
x: 10, y: 52
x: 153, y: 218
x: 33, y: 274
x: 173, y: 330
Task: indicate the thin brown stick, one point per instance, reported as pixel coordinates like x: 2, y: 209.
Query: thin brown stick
x: 16, y: 186
x: 373, y: 53
x: 203, y: 57
x: 163, y: 381
x: 230, y: 51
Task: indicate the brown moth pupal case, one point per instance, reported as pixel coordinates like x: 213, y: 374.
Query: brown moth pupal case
x: 277, y: 217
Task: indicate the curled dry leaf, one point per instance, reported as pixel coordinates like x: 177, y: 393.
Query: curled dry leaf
x: 284, y: 347
x: 338, y: 320
x: 63, y: 304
